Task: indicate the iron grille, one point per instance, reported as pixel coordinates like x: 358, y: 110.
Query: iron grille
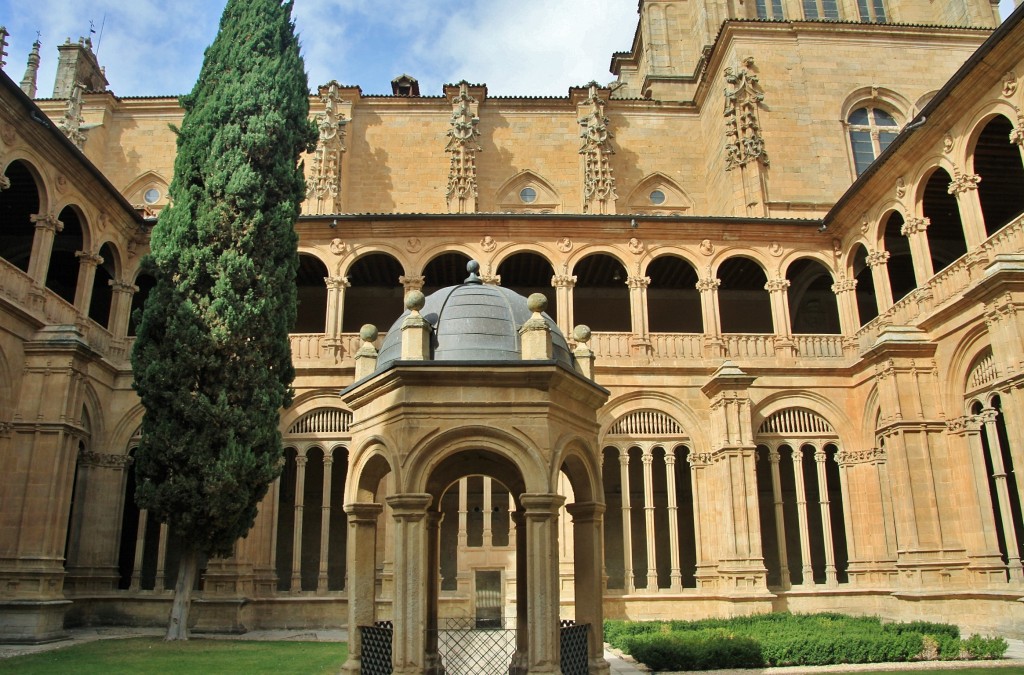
x: 467, y: 650
x: 575, y: 658
x: 376, y: 655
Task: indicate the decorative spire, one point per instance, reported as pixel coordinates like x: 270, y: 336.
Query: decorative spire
x: 463, y: 145
x: 743, y: 140
x: 3, y: 46
x: 325, y: 184
x: 72, y: 121
x: 28, y: 83
x: 598, y: 182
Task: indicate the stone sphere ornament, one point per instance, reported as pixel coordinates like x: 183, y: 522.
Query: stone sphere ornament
x: 537, y: 302
x: 581, y: 333
x: 414, y: 300
x: 368, y: 333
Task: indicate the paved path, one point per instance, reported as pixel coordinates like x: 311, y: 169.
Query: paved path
x: 620, y: 665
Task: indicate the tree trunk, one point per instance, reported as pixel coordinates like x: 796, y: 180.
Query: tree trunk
x: 177, y: 626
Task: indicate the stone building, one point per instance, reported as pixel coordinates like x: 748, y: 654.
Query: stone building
x: 808, y: 363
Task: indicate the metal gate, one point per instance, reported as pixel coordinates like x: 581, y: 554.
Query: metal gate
x: 466, y: 649
x: 376, y: 653
x: 575, y: 659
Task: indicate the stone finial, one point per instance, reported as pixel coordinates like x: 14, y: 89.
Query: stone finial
x: 366, y: 357
x: 584, y: 355
x: 473, y: 267
x: 415, y: 329
x: 28, y: 83
x: 536, y: 333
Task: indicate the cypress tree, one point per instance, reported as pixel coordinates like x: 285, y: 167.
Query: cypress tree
x: 212, y: 363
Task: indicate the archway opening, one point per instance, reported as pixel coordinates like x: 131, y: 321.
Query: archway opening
x: 527, y: 273
x: 62, y: 273
x: 311, y: 287
x: 812, y: 302
x: 145, y: 283
x: 601, y: 297
x: 102, y: 290
x: 744, y: 304
x: 998, y: 162
x: 673, y: 301
x: 447, y: 269
x: 18, y: 204
x: 867, y: 301
x: 945, y: 231
x: 900, y: 267
x: 375, y: 293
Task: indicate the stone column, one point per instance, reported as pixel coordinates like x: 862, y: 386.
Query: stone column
x: 335, y: 311
x: 877, y: 262
x: 778, y: 293
x: 564, y: 284
x: 780, y: 519
x: 915, y: 230
x: 140, y: 543
x: 629, y: 581
x: 93, y: 546
x: 675, y: 573
x: 521, y: 660
x: 588, y: 553
x: 412, y: 579
x: 160, y: 583
x: 87, y: 264
x: 706, y: 575
x: 300, y: 498
x: 647, y: 458
x: 640, y: 343
x: 826, y: 518
x: 488, y: 510
x: 965, y: 187
x: 47, y: 226
x: 708, y: 288
x: 361, y: 550
x: 988, y: 418
x: 433, y: 571
x: 542, y: 581
x: 121, y: 306
x: 806, y: 570
x: 325, y: 523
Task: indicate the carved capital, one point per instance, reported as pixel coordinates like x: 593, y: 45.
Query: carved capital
x: 777, y: 285
x: 337, y: 283
x: 563, y: 281
x: 705, y: 285
x: 47, y: 221
x: 123, y: 286
x: 914, y: 225
x: 638, y: 282
x: 699, y: 458
x: 412, y: 282
x: 877, y: 258
x: 962, y: 182
x: 89, y: 258
x: 844, y: 285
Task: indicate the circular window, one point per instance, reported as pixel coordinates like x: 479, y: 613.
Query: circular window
x: 528, y: 195
x: 657, y: 197
x: 152, y: 196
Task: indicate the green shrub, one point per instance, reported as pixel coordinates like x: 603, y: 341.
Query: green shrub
x: 924, y: 628
x: 702, y: 649
x: 978, y: 647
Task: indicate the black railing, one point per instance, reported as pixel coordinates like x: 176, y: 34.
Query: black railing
x: 376, y: 648
x: 575, y: 657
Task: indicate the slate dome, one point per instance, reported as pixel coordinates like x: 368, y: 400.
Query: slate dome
x: 473, y: 322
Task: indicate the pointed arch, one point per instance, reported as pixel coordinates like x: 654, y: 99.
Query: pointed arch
x: 657, y: 194
x: 138, y: 192
x: 544, y: 198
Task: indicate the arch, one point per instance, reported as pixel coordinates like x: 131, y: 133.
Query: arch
x: 883, y: 97
x: 310, y: 283
x: 867, y: 299
x: 982, y: 371
x: 813, y: 308
x: 546, y: 198
x: 367, y: 468
x: 816, y: 404
x: 872, y: 118
x: 527, y: 272
x: 673, y: 301
x: 445, y: 269
x: 324, y: 420
x: 655, y: 401
x: 796, y: 422
x: 19, y: 202
x: 63, y: 269
x: 649, y: 422
x: 576, y: 461
x: 374, y: 294
x: 744, y: 304
x: 601, y: 296
x: 999, y: 164
x: 104, y: 275
x: 900, y: 267
x: 946, y: 240
x: 657, y: 194
x: 137, y: 191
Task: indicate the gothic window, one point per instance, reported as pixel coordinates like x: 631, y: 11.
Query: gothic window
x: 871, y: 131
x: 821, y: 9
x: 871, y: 11
x: 658, y: 195
x: 769, y: 9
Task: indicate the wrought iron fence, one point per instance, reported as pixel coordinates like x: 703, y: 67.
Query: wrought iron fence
x: 574, y: 654
x: 467, y: 646
x: 376, y: 648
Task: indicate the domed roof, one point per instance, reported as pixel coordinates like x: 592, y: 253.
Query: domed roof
x: 473, y: 322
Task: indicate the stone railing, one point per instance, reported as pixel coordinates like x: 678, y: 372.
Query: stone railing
x: 946, y: 286
x: 677, y: 345
x: 819, y: 346
x: 310, y: 347
x: 611, y: 345
x: 738, y: 346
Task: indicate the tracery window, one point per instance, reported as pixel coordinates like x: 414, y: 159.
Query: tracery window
x: 769, y: 9
x: 821, y: 9
x: 871, y: 131
x: 871, y: 11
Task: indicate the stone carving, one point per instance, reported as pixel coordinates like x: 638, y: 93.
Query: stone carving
x: 7, y: 134
x: 776, y: 285
x: 743, y: 140
x: 62, y: 183
x: 563, y: 281
x: 901, y: 187
x: 463, y: 137
x: 709, y: 284
x: 3, y: 46
x: 413, y: 245
x: 89, y: 258
x: 488, y: 244
x: 1009, y: 84
x: 636, y: 246
x: 47, y: 221
x: 843, y: 285
x: 564, y: 244
x: 89, y: 458
x: 337, y: 246
x: 337, y: 283
x: 837, y: 247
x: 962, y: 182
x: 706, y: 247
x: 412, y: 282
x: 947, y: 143
x: 325, y: 183
x: 698, y: 458
x: 914, y: 225
x: 638, y: 282
x: 71, y: 122
x: 844, y: 457
x: 775, y: 248
x: 1017, y: 132
x: 598, y: 182
x: 877, y: 258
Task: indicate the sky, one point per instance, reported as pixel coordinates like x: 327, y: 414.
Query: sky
x: 515, y: 47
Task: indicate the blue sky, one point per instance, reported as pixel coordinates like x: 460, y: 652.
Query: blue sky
x: 528, y: 47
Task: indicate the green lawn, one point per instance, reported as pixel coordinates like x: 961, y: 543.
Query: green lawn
x: 1001, y: 670
x: 154, y: 655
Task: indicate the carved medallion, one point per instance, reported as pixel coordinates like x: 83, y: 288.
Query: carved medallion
x: 1009, y: 84
x: 488, y: 244
x: 413, y: 245
x: 775, y: 248
x: 564, y: 244
x: 338, y: 247
x: 706, y: 247
x: 635, y: 246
